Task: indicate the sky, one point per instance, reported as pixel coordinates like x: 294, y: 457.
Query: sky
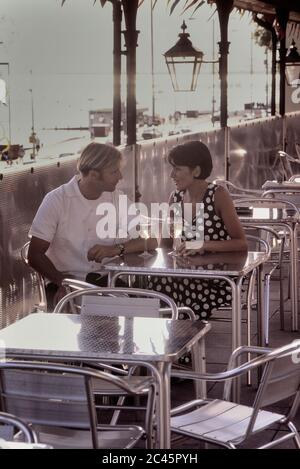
x: 64, y: 54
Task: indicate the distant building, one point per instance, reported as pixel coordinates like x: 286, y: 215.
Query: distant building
x: 101, y: 118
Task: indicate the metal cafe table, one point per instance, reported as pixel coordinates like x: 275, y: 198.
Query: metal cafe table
x: 151, y: 342
x: 230, y: 266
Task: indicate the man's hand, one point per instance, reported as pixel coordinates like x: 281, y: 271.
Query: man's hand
x: 98, y: 252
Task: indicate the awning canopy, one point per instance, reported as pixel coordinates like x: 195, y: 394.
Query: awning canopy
x: 269, y: 7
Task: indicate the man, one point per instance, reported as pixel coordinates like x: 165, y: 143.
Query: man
x: 64, y: 235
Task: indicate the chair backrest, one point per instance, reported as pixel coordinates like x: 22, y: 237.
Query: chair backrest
x: 295, y: 178
x: 57, y: 395
x: 280, y: 380
x: 285, y: 163
x: 42, y: 305
x: 297, y: 146
x: 120, y: 302
x: 9, y: 422
x: 270, y: 206
x: 286, y: 193
x: 120, y: 306
x: 235, y: 191
x: 264, y: 234
x: 258, y: 244
x: 72, y: 285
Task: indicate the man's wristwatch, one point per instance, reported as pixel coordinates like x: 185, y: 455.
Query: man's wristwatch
x: 121, y: 248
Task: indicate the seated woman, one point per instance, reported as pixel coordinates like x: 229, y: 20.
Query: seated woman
x: 191, y: 166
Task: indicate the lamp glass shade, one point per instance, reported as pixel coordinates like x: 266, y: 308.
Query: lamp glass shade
x: 292, y: 65
x: 292, y: 74
x: 184, y: 61
x: 184, y: 72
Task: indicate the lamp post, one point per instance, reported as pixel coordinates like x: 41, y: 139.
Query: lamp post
x: 184, y: 61
x: 292, y: 65
x: 184, y: 54
x: 131, y: 37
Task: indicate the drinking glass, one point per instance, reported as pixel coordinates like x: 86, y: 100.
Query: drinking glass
x: 176, y: 232
x: 145, y: 230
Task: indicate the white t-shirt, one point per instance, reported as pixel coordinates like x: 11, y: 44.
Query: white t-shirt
x: 69, y: 222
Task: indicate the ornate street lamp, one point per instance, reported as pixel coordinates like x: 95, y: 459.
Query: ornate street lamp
x: 184, y: 61
x: 292, y: 65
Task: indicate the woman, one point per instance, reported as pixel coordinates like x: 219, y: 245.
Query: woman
x: 191, y: 166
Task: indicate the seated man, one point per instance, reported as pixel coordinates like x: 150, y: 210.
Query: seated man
x: 65, y: 233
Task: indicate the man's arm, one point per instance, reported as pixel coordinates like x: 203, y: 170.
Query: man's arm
x: 99, y: 251
x: 41, y: 263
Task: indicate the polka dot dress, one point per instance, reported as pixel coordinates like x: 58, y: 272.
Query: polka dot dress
x: 203, y: 296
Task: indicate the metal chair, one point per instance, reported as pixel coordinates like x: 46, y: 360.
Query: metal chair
x: 285, y: 192
x: 273, y: 207
x: 8, y: 437
x: 276, y: 245
x: 286, y: 162
x: 295, y: 178
x: 227, y: 424
x: 120, y: 301
x: 235, y: 191
x: 59, y: 401
x: 297, y: 146
x: 42, y: 304
x: 77, y: 285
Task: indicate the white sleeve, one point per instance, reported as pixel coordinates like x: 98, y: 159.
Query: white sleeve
x: 45, y: 222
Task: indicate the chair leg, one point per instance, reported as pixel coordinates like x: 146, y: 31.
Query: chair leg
x: 266, y: 308
x: 296, y: 434
x: 281, y: 291
x: 249, y: 305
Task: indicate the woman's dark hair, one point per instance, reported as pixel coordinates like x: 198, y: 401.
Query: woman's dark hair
x: 192, y: 154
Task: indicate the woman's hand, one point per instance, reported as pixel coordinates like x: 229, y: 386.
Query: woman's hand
x: 182, y: 251
x: 98, y: 252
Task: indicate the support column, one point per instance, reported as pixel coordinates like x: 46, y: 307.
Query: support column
x: 131, y: 35
x: 274, y: 70
x: 224, y: 8
x: 282, y: 18
x: 117, y: 114
x: 267, y: 23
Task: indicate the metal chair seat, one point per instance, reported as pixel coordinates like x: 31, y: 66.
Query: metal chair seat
x: 107, y: 389
x: 65, y: 438
x: 222, y: 421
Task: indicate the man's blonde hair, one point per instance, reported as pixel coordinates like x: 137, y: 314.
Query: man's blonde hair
x: 97, y: 156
